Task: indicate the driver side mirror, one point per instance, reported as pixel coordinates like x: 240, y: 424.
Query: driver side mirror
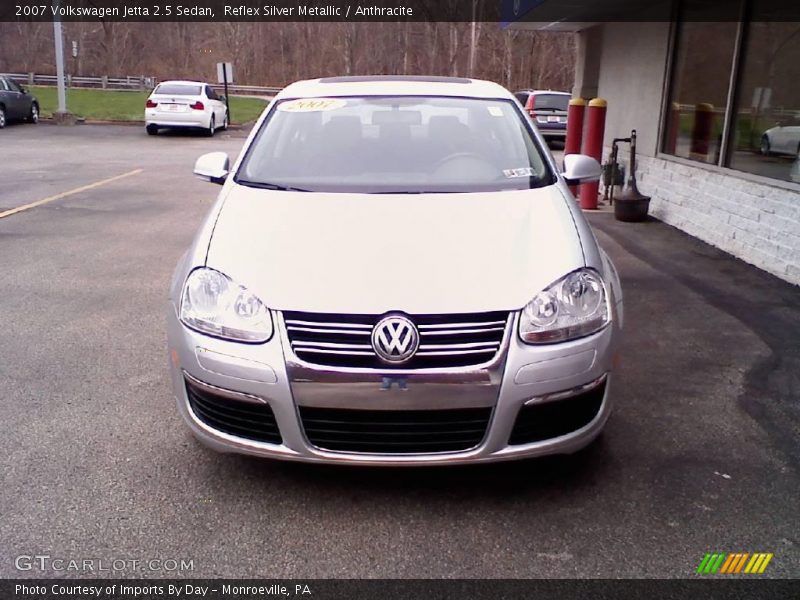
x: 580, y: 168
x: 213, y: 166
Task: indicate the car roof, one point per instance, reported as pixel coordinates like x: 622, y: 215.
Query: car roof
x: 181, y: 82
x: 394, y: 85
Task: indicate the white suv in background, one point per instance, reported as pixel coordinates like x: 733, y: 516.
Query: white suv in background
x: 175, y: 104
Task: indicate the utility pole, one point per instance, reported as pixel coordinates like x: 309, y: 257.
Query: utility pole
x: 473, y: 40
x: 62, y: 115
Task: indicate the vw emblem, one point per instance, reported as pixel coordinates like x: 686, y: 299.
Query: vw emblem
x: 395, y: 339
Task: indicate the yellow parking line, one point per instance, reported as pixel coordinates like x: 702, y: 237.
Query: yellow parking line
x: 78, y: 190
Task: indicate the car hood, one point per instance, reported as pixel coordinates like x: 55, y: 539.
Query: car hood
x: 415, y: 253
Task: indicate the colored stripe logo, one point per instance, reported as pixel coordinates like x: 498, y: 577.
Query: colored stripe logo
x: 732, y: 563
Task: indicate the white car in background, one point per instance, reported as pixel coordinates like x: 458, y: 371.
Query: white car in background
x: 782, y: 139
x: 178, y: 104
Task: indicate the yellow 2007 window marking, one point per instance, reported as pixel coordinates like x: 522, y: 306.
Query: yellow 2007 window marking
x: 311, y: 105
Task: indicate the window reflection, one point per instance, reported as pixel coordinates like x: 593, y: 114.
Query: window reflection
x: 699, y: 91
x: 766, y: 136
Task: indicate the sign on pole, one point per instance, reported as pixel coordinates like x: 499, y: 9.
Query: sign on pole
x: 224, y: 69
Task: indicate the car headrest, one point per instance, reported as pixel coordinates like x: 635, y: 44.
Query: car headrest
x: 447, y: 127
x: 343, y: 130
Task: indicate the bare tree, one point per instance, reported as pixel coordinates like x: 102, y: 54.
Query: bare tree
x: 278, y: 53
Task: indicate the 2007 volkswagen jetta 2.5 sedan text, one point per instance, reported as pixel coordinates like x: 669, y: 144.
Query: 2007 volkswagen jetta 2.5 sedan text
x: 394, y: 273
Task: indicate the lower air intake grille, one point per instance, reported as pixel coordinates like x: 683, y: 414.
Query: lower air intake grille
x: 395, y: 431
x: 240, y: 418
x: 554, y: 419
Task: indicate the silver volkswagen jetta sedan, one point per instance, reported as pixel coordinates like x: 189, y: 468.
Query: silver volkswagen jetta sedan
x: 394, y: 273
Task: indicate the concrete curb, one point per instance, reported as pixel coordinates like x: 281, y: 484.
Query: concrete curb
x: 82, y: 121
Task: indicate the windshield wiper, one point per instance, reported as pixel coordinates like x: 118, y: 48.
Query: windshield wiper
x: 263, y: 185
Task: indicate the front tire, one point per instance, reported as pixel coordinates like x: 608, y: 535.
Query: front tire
x: 2, y: 117
x: 34, y: 116
x: 151, y: 130
x: 225, y: 123
x: 211, y: 127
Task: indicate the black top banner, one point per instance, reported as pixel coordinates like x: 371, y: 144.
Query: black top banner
x: 546, y: 14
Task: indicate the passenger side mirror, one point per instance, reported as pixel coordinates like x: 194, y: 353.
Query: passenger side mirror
x: 580, y: 168
x: 213, y: 166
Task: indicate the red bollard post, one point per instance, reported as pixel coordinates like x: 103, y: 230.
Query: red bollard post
x: 593, y: 146
x: 674, y: 128
x: 701, y: 132
x: 572, y: 145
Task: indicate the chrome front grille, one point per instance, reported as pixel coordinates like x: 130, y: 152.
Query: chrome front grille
x: 454, y: 340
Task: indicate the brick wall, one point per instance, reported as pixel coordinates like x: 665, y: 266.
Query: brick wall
x: 755, y: 222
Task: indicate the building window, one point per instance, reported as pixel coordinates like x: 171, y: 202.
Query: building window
x: 760, y: 81
x: 702, y: 64
x: 766, y: 124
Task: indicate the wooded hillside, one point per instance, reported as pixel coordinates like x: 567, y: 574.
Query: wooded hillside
x: 277, y: 53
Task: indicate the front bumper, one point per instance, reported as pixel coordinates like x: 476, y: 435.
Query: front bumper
x: 190, y: 118
x: 271, y: 374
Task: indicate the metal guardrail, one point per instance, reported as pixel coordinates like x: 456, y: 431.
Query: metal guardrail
x: 130, y: 83
x: 104, y: 82
x: 247, y: 90
x: 778, y: 111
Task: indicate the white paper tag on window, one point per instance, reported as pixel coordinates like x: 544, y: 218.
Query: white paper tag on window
x: 495, y: 111
x: 521, y: 172
x: 311, y: 105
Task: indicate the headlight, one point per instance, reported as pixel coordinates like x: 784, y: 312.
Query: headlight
x: 212, y: 303
x: 572, y: 307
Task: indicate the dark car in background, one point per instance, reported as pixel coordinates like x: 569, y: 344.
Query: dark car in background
x: 16, y: 104
x: 548, y: 109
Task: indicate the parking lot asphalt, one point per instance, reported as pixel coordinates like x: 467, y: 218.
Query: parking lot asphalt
x: 701, y: 454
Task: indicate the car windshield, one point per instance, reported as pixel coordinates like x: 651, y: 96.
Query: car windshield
x: 395, y: 145
x: 176, y: 89
x: 551, y: 101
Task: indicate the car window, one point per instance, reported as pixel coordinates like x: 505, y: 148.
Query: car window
x: 3, y: 85
x: 551, y: 101
x: 522, y: 97
x: 395, y: 144
x: 12, y: 86
x: 210, y: 93
x: 178, y: 89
